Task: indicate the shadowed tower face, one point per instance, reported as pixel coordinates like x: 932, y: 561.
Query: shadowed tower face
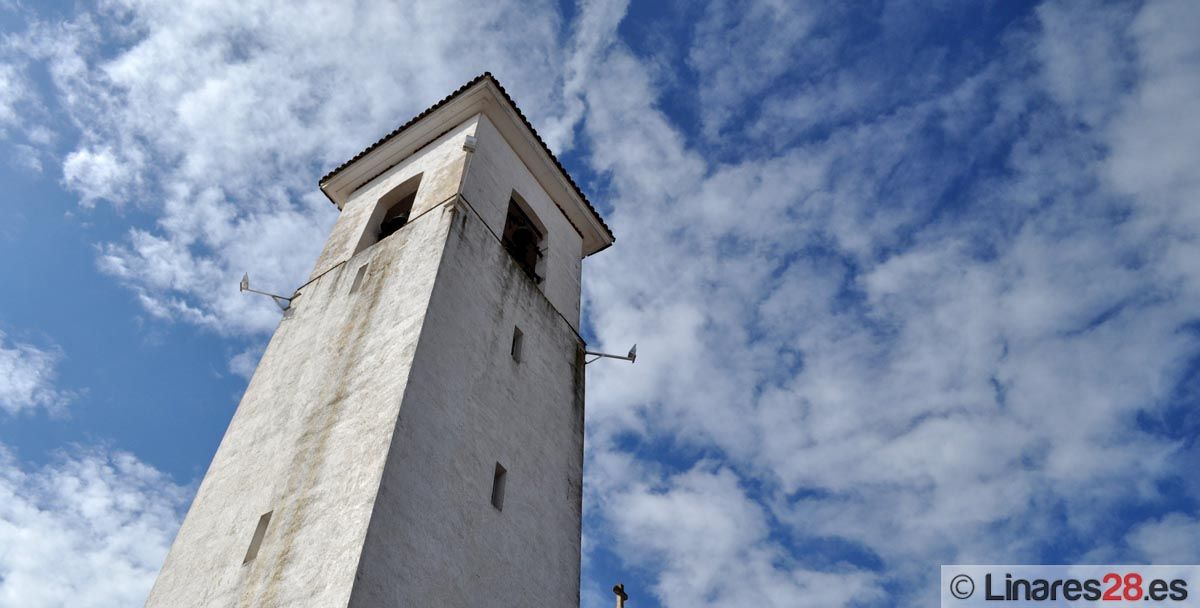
x: 413, y: 435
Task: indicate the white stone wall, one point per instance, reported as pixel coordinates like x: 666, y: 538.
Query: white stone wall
x: 435, y: 538
x: 373, y: 423
x: 492, y: 176
x: 309, y: 439
x: 440, y: 165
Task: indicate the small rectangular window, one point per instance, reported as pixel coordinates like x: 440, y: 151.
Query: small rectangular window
x: 358, y: 278
x: 498, y: 487
x: 256, y: 540
x: 518, y: 340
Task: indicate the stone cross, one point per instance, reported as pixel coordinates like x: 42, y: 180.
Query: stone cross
x: 619, y: 589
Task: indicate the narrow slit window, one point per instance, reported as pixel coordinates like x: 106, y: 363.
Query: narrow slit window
x: 517, y: 342
x: 256, y: 540
x: 358, y: 278
x: 498, y: 487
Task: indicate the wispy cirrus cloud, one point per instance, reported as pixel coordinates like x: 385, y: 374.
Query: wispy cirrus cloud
x: 28, y: 376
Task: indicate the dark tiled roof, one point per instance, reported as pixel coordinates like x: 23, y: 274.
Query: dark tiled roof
x: 447, y: 99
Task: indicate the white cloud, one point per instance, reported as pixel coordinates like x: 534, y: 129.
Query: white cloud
x: 1153, y: 135
x: 20, y: 108
x: 12, y: 92
x: 711, y: 545
x: 593, y: 32
x: 1172, y: 539
x: 1084, y: 64
x: 244, y: 363
x: 98, y: 174
x: 742, y: 50
x: 928, y: 380
x: 52, y: 48
x: 26, y: 158
x: 27, y: 378
x: 90, y: 528
x: 219, y: 119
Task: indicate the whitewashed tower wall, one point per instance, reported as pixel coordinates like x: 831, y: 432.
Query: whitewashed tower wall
x: 372, y: 428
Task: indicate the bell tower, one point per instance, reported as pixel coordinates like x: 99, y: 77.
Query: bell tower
x: 413, y: 435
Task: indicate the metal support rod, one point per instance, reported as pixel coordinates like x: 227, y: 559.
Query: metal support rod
x: 282, y: 302
x: 276, y: 296
x: 631, y: 357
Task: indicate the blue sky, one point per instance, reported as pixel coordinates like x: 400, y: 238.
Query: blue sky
x: 913, y: 283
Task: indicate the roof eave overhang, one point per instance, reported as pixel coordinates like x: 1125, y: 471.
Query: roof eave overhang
x: 481, y: 96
